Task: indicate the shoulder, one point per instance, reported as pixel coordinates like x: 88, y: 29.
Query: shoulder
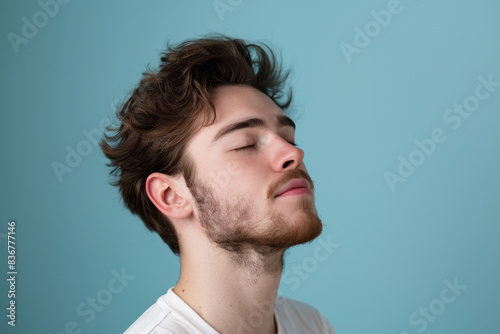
x: 294, y: 315
x: 166, y: 316
x: 155, y: 317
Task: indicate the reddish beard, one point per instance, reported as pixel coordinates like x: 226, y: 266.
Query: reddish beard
x: 237, y: 226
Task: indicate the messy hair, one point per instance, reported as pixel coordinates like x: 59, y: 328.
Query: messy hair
x: 160, y: 116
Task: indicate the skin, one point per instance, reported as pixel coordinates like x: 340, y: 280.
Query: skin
x: 232, y: 230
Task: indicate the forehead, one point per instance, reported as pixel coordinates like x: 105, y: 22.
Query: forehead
x: 236, y: 103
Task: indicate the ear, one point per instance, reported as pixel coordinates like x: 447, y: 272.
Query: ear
x: 166, y: 194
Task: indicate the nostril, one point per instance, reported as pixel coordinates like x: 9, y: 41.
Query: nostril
x: 286, y: 164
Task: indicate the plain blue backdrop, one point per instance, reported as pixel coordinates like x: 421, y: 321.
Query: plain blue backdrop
x: 395, y: 114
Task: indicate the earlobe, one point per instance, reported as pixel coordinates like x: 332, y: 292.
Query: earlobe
x: 166, y: 194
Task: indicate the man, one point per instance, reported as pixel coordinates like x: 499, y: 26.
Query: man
x: 205, y: 155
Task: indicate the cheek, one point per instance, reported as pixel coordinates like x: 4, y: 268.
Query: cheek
x: 225, y: 176
x: 252, y: 183
x: 234, y: 169
x: 243, y: 179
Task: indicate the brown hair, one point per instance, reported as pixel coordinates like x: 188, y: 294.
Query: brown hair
x: 159, y: 118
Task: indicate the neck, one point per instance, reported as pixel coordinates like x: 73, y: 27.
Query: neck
x: 233, y: 292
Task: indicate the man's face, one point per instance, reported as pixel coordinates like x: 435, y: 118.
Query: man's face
x: 240, y: 172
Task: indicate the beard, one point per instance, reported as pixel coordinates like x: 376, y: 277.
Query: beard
x: 238, y: 226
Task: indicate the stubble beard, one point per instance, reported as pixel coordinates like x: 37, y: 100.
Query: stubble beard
x: 238, y: 227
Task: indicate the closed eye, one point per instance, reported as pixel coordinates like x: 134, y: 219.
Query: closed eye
x: 245, y: 147
x: 253, y: 146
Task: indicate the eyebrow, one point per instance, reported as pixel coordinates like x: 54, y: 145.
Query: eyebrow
x: 283, y: 120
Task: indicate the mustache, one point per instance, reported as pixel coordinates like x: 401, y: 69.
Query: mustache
x: 290, y: 175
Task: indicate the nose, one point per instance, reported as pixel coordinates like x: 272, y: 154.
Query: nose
x: 286, y: 156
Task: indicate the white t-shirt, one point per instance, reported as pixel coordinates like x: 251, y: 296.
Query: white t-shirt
x: 171, y: 315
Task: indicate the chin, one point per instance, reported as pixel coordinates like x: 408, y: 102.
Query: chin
x: 303, y: 227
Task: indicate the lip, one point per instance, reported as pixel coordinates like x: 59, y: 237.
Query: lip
x: 294, y: 184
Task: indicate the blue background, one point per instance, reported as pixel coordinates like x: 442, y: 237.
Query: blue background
x: 356, y: 116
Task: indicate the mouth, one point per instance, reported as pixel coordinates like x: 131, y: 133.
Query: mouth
x: 294, y: 188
